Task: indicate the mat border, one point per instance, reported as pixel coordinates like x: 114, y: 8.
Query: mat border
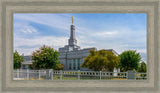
x: 7, y: 10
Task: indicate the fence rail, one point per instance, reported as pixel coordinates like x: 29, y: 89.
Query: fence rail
x: 83, y: 75
x: 141, y: 76
x: 29, y: 74
x: 73, y: 75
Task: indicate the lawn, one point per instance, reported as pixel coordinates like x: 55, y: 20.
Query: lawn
x: 57, y: 77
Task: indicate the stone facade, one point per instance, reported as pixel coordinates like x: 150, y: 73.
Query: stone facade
x: 73, y: 59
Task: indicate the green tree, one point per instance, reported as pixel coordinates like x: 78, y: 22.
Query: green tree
x: 129, y: 60
x: 113, y: 61
x: 142, y: 67
x: 17, y: 60
x: 100, y: 60
x: 45, y: 58
x: 60, y: 67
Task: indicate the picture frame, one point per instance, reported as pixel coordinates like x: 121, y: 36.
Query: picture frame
x: 9, y: 7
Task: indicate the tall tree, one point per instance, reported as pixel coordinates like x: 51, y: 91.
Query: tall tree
x: 113, y: 61
x: 45, y: 58
x: 17, y: 60
x: 142, y: 67
x: 100, y: 60
x: 129, y: 60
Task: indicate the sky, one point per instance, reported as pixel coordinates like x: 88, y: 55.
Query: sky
x: 118, y: 31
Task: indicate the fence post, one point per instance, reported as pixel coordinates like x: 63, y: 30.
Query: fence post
x: 135, y: 75
x: 18, y: 73
x: 39, y: 74
x: 127, y: 75
x: 131, y: 74
x: 100, y: 74
x: 27, y: 74
x: 52, y: 75
x: 60, y: 74
x: 78, y: 74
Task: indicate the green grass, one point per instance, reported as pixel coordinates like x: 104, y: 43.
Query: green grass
x: 57, y: 77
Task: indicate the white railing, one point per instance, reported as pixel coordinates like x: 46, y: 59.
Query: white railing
x: 21, y: 74
x: 88, y: 75
x: 141, y: 76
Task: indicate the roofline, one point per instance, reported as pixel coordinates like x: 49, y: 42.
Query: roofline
x: 111, y: 50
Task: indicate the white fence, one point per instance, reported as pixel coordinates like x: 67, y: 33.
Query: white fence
x: 87, y: 75
x: 141, y: 76
x: 73, y: 75
x: 21, y: 74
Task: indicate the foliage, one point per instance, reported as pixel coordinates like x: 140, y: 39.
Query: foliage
x: 101, y: 60
x: 60, y: 67
x: 142, y: 67
x: 113, y: 61
x: 129, y: 60
x: 45, y: 58
x: 31, y: 66
x: 17, y: 60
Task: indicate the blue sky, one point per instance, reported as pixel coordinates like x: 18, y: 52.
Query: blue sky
x: 104, y: 31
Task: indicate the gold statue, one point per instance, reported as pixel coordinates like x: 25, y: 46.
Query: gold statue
x: 72, y: 19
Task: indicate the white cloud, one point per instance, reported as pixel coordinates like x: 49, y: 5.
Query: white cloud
x: 28, y: 30
x: 141, y: 50
x: 27, y: 45
x: 51, y: 20
x: 123, y: 39
x: 26, y: 51
x: 105, y: 33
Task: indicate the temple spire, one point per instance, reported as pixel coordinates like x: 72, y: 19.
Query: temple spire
x: 72, y: 39
x: 72, y: 20
x: 72, y: 42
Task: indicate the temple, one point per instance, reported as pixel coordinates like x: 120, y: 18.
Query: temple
x: 72, y: 56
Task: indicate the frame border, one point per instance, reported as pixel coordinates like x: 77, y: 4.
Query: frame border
x: 8, y: 9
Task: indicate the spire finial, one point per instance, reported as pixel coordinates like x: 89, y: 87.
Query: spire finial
x: 72, y: 19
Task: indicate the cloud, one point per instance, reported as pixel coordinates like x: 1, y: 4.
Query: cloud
x: 30, y: 44
x: 105, y: 33
x: 55, y: 21
x: 84, y: 42
x: 123, y: 39
x: 142, y: 50
x: 28, y: 30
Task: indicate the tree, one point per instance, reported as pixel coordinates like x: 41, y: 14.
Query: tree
x: 142, y: 67
x: 17, y: 60
x: 60, y: 67
x: 100, y: 60
x: 45, y: 58
x: 113, y: 61
x: 129, y: 60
